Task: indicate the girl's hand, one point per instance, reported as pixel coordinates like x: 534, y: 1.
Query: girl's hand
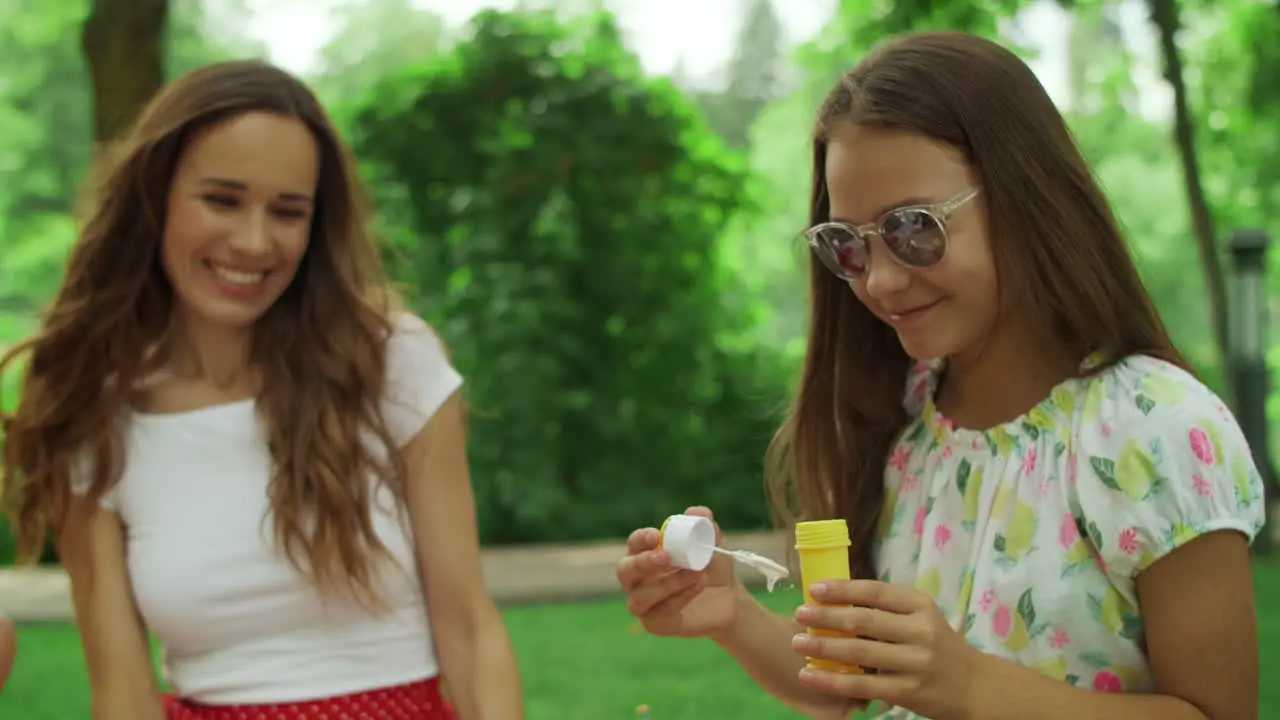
x: 920, y: 662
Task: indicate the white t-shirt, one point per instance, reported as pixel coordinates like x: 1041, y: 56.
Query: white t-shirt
x: 238, y: 623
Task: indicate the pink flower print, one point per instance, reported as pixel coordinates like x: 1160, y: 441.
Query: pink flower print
x: 917, y: 392
x: 1068, y: 533
x: 1128, y: 541
x: 975, y: 445
x: 899, y: 459
x: 1029, y: 462
x: 1045, y: 487
x: 1058, y: 639
x: 910, y: 482
x: 941, y: 536
x: 1002, y: 622
x: 1071, y: 469
x: 987, y: 600
x: 1107, y: 682
x: 1200, y: 445
x: 918, y: 525
x: 946, y: 423
x: 1202, y: 486
x: 946, y: 452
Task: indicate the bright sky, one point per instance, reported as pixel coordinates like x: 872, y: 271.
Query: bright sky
x: 699, y: 32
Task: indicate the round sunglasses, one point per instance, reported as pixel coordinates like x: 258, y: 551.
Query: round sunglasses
x: 916, y: 237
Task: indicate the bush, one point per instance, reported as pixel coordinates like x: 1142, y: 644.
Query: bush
x: 564, y: 212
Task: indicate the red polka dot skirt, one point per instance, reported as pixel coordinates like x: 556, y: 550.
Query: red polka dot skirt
x: 414, y: 701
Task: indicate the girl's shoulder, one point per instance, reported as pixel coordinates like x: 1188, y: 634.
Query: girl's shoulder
x: 1140, y: 395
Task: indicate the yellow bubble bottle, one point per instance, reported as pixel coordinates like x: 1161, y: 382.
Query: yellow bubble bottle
x: 823, y: 546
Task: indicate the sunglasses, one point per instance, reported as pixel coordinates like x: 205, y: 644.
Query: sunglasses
x: 916, y: 237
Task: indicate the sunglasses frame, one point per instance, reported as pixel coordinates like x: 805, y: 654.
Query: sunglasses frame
x: 939, y: 212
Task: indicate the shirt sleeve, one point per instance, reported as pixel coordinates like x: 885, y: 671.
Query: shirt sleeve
x: 1160, y: 461
x: 420, y: 378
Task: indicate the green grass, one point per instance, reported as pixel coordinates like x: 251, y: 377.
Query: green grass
x: 577, y: 661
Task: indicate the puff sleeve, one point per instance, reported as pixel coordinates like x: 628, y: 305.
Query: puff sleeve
x: 1160, y: 461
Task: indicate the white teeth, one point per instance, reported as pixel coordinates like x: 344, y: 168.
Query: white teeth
x: 239, y: 277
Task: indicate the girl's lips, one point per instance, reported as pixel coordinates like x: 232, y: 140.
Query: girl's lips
x: 907, y: 317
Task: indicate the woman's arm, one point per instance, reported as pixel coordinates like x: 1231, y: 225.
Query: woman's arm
x: 1202, y: 642
x: 475, y: 653
x: 121, y: 675
x: 760, y: 640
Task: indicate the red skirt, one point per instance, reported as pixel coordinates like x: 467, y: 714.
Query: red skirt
x: 415, y: 701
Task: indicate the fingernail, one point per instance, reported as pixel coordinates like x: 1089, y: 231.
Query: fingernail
x: 818, y: 589
x: 800, y: 642
x: 803, y: 612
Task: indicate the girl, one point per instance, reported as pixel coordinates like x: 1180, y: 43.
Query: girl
x: 1053, y: 519
x: 241, y: 444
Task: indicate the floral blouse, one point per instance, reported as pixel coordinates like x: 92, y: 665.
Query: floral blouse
x: 1030, y: 535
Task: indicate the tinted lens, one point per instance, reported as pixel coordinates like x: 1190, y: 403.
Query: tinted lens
x: 914, y: 236
x: 840, y: 248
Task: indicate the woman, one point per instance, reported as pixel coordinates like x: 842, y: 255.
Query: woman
x: 1055, y: 521
x: 242, y: 445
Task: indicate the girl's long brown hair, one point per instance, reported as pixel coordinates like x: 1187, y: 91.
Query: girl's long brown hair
x: 320, y: 349
x: 1058, y: 250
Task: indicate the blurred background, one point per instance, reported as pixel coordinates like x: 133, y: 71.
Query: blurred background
x: 596, y: 203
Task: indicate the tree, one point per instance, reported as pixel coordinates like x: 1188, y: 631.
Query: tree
x: 1166, y: 16
x: 754, y: 76
x: 376, y: 37
x: 123, y: 43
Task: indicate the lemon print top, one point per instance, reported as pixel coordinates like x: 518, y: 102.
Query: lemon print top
x: 1029, y: 535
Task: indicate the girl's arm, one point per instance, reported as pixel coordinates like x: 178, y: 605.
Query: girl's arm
x: 1202, y: 643
x: 760, y: 640
x: 475, y: 653
x: 8, y: 649
x: 116, y: 651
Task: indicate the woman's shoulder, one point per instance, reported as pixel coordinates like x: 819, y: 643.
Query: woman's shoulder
x: 420, y: 375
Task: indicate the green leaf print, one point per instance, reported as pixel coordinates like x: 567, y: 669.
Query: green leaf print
x: 999, y: 543
x: 1130, y: 626
x: 1095, y: 536
x: 969, y: 621
x: 962, y: 476
x: 1027, y: 609
x: 1095, y: 660
x: 1071, y: 679
x: 1059, y: 449
x: 1031, y: 430
x: 1144, y: 403
x: 915, y: 434
x: 1095, y: 607
x: 1105, y: 469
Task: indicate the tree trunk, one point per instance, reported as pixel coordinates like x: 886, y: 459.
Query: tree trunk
x: 1165, y: 15
x: 123, y: 41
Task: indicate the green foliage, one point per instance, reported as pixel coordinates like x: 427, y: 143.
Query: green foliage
x: 565, y: 212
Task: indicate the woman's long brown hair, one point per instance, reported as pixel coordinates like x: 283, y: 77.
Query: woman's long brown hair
x: 1058, y: 249
x: 320, y: 349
